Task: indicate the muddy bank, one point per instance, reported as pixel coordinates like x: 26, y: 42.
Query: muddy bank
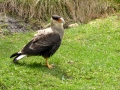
x: 10, y: 25
x: 13, y: 25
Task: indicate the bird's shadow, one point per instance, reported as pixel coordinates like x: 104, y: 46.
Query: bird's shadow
x: 56, y: 71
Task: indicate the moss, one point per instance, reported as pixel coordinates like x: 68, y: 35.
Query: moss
x: 1, y: 1
x: 3, y: 25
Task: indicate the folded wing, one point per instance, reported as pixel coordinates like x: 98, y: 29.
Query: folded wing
x: 45, y: 45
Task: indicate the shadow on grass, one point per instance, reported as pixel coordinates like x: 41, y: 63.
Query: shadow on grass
x: 3, y: 86
x: 56, y: 71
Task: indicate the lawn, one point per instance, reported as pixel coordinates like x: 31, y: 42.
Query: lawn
x: 88, y: 59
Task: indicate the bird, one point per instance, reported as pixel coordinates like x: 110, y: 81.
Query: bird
x: 45, y: 43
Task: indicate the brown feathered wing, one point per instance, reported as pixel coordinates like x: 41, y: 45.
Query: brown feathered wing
x: 45, y: 45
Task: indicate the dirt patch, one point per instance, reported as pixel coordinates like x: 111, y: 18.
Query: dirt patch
x: 12, y: 25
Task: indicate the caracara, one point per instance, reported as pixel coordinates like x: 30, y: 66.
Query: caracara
x: 45, y: 43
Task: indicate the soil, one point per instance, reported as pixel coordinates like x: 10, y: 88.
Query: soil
x: 13, y: 25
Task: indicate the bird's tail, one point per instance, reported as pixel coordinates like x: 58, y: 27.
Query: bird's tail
x: 17, y: 56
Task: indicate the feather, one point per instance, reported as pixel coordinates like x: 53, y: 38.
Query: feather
x: 14, y: 54
x: 41, y: 44
x: 20, y: 57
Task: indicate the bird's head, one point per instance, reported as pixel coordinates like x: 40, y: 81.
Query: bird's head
x: 57, y: 20
x: 57, y: 24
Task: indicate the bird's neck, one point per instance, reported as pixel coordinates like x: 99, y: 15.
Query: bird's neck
x: 58, y: 28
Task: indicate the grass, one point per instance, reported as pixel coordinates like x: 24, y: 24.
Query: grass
x: 88, y: 59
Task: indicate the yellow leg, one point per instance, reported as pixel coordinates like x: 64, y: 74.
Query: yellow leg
x: 47, y: 63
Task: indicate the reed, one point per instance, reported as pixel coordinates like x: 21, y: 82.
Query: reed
x: 72, y: 10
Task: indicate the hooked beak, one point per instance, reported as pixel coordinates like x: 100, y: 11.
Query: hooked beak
x: 61, y: 20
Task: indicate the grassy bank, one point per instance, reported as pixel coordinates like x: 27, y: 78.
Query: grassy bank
x: 88, y: 59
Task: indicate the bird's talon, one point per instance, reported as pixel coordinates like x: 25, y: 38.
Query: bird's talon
x: 50, y: 66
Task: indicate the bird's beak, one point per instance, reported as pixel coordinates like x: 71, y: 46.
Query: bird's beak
x: 61, y: 20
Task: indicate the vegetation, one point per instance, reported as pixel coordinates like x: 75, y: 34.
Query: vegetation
x: 35, y: 14
x: 88, y: 59
x: 73, y: 10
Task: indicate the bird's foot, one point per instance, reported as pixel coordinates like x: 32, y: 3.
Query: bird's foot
x: 49, y: 66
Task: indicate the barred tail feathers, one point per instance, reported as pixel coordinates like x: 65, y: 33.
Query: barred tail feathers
x: 17, y: 56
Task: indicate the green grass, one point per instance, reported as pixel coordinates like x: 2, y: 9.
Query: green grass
x: 88, y: 59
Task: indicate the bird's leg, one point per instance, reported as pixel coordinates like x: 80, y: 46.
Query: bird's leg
x: 47, y: 63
